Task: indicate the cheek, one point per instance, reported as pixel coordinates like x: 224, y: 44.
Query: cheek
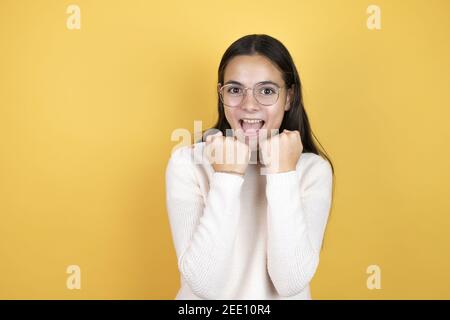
x: 275, y: 117
x: 231, y: 118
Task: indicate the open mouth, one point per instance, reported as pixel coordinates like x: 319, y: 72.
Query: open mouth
x: 251, y: 126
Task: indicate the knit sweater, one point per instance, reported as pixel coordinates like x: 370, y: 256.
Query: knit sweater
x: 256, y: 236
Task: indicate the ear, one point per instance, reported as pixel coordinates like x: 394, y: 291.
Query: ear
x: 289, y: 98
x: 218, y: 86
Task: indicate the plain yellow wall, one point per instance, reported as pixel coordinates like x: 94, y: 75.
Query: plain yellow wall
x: 86, y: 118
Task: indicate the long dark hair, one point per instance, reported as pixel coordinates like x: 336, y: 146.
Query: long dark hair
x: 295, y: 118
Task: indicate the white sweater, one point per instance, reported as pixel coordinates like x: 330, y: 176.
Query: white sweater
x: 251, y: 237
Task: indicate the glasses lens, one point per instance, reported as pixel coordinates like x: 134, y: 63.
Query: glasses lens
x: 266, y: 94
x: 232, y: 95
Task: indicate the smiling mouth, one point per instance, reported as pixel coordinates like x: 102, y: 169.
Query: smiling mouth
x: 251, y: 126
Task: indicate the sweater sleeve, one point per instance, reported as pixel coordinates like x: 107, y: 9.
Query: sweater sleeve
x: 297, y: 214
x: 203, y: 233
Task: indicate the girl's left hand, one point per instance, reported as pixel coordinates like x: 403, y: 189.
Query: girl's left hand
x: 287, y: 145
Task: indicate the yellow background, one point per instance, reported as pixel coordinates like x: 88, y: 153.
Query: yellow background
x: 86, y: 117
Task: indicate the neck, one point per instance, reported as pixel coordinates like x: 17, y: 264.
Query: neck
x: 255, y: 158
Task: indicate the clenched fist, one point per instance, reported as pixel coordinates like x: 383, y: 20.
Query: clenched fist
x: 227, y: 154
x: 280, y: 153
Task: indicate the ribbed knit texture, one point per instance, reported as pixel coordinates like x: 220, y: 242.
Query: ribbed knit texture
x: 252, y: 237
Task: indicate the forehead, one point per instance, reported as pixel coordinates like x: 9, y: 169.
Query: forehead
x: 249, y: 70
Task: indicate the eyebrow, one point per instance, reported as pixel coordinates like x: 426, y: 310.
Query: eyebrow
x: 261, y: 82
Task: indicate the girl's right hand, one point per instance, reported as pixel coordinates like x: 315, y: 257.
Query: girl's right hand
x: 227, y: 154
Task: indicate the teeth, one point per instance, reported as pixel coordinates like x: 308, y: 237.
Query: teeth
x: 251, y: 120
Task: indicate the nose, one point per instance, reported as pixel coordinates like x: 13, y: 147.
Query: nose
x: 249, y: 102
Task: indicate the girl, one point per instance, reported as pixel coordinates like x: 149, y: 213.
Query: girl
x: 240, y: 234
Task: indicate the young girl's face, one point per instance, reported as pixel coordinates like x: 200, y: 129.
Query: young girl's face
x: 248, y: 71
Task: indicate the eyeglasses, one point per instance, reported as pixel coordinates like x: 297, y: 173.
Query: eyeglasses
x: 232, y: 95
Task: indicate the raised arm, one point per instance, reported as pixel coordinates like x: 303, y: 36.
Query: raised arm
x: 297, y: 214
x: 203, y: 233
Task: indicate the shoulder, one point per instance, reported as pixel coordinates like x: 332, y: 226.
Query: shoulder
x: 311, y: 165
x: 186, y: 154
x: 311, y: 159
x: 179, y: 170
x: 185, y: 157
x: 180, y: 154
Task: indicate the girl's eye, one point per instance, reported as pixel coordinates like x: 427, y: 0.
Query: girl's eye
x: 234, y: 90
x: 267, y: 91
